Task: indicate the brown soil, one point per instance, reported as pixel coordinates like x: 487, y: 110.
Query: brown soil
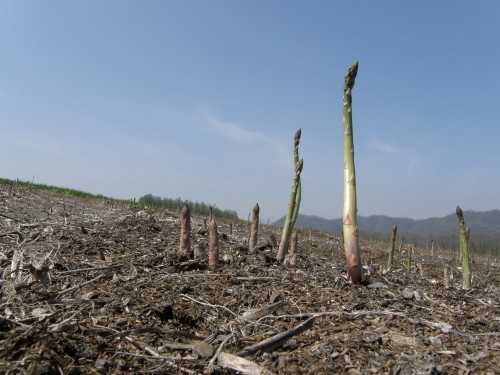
x: 101, y: 292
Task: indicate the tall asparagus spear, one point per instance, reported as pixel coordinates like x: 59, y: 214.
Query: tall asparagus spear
x: 298, y: 196
x: 349, y: 217
x: 288, y: 227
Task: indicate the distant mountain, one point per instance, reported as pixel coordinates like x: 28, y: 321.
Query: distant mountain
x: 484, y: 227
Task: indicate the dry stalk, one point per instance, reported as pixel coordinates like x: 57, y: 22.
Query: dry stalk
x: 209, y: 304
x: 276, y: 340
x: 446, y: 277
x: 256, y: 314
x: 80, y: 285
x: 241, y: 365
x: 17, y: 265
x: 219, y: 349
x: 213, y: 244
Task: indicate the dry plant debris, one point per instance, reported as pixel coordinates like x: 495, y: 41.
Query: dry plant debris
x: 94, y: 287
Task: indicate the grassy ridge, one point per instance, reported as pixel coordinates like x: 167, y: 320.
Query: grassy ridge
x: 147, y: 200
x: 55, y: 189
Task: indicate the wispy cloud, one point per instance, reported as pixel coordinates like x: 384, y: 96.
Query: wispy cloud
x: 412, y: 156
x: 238, y: 133
x: 143, y: 149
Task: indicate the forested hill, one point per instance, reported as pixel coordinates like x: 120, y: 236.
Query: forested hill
x: 484, y: 226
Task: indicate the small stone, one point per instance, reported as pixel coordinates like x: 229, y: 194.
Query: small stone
x: 378, y: 285
x: 408, y: 293
x: 371, y: 337
x: 420, y: 296
x: 204, y: 349
x: 436, y: 341
x: 121, y: 322
x: 101, y: 365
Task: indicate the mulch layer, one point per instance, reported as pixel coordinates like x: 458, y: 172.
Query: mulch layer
x: 93, y: 286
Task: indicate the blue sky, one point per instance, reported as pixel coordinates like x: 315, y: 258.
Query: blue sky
x: 201, y: 100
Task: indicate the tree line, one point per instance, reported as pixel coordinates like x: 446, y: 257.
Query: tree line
x: 198, y: 208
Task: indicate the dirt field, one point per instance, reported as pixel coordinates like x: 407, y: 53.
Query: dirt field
x: 93, y: 287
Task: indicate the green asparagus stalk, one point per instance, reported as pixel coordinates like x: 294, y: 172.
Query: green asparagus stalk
x: 294, y: 248
x: 400, y: 249
x: 349, y: 217
x: 390, y: 261
x: 464, y: 250
x: 408, y: 262
x: 298, y: 196
x: 288, y: 227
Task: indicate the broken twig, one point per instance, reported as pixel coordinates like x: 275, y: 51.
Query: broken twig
x: 276, y: 340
